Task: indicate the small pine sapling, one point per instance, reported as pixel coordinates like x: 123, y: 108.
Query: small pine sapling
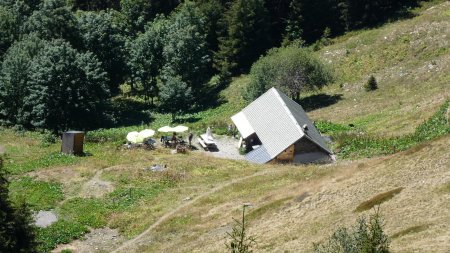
x: 371, y: 84
x: 240, y: 242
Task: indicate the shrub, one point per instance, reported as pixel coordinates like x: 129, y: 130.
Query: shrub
x: 367, y: 236
x: 48, y: 138
x: 371, y: 84
x: 292, y: 69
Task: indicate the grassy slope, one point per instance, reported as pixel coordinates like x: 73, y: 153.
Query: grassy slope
x: 401, y: 103
x: 293, y: 208
x: 411, y: 61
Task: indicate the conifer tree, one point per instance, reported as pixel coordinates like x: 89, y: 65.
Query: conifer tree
x: 247, y: 36
x: 371, y: 84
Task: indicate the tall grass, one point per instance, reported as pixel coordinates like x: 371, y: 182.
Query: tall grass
x: 362, y: 145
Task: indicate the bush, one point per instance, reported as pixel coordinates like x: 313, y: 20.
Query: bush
x: 367, y: 236
x: 291, y: 69
x: 371, y: 84
x: 48, y: 138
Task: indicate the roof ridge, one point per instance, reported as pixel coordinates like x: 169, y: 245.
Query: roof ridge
x: 291, y: 116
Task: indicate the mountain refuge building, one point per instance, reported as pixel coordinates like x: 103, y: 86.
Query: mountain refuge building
x: 276, y: 129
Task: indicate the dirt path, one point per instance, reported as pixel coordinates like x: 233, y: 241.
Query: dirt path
x: 166, y: 216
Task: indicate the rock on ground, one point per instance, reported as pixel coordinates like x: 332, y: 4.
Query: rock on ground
x: 45, y: 218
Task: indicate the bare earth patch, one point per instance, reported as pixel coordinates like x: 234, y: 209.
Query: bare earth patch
x: 96, y: 187
x: 67, y: 176
x: 98, y: 240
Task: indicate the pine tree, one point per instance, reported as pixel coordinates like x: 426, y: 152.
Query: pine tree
x: 247, y: 36
x: 371, y: 84
x: 293, y: 30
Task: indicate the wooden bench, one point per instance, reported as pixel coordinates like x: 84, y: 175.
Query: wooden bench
x: 202, y: 143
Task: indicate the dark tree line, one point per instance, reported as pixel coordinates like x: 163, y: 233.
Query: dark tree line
x: 62, y: 59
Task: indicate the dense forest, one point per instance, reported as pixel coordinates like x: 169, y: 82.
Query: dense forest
x: 62, y: 61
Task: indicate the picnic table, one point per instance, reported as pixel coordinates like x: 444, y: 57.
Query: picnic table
x: 206, y: 141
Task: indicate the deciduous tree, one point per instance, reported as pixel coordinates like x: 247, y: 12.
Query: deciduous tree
x: 146, y: 58
x: 54, y: 20
x: 175, y: 96
x: 106, y: 40
x: 67, y: 88
x: 185, y: 50
x: 14, y: 78
x: 292, y: 69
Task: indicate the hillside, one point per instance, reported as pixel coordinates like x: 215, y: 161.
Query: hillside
x: 293, y: 208
x: 411, y: 62
x: 111, y: 201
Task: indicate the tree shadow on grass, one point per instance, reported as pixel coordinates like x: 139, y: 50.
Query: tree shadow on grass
x: 183, y: 120
x: 128, y: 112
x: 318, y: 101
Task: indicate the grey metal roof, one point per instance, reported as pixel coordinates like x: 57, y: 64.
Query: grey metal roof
x: 258, y: 155
x: 278, y: 121
x: 302, y: 118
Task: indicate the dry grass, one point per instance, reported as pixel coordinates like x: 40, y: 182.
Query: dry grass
x: 281, y: 223
x: 411, y: 61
